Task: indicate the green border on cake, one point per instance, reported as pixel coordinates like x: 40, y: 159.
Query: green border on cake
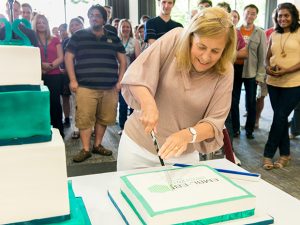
x: 152, y: 213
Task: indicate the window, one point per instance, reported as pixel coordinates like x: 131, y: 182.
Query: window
x: 181, y: 11
x: 54, y: 10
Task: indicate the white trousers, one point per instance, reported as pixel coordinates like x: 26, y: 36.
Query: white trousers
x: 132, y: 156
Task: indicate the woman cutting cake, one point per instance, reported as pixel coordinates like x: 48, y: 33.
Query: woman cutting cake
x: 180, y: 88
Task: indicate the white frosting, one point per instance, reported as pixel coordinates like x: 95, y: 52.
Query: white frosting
x: 199, y: 193
x: 20, y: 65
x: 33, y: 181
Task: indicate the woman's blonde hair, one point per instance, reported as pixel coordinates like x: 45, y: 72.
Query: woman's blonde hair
x: 210, y: 22
x: 36, y: 18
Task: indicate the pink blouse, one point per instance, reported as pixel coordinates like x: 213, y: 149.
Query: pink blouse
x: 49, y: 53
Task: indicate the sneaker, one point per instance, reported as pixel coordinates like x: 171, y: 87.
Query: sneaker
x: 67, y: 122
x: 81, y: 156
x: 101, y: 150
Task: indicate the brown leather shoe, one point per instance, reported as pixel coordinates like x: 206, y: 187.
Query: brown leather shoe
x: 101, y: 150
x: 81, y: 156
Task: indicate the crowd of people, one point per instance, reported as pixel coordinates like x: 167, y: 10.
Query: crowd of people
x: 180, y: 83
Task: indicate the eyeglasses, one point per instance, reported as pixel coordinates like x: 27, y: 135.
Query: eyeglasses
x: 97, y: 16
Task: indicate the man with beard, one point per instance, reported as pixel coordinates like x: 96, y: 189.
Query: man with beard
x: 158, y: 26
x: 95, y: 78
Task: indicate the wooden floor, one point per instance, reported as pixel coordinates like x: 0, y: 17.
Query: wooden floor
x: 250, y: 152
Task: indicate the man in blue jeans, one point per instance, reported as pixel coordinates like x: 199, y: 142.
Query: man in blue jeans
x: 249, y: 71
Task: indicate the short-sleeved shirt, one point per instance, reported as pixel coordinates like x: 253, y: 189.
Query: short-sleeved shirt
x: 130, y: 51
x: 96, y: 64
x: 49, y: 54
x: 157, y: 27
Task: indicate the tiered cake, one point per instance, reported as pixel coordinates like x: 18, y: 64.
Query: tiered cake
x: 32, y: 158
x: 191, y: 195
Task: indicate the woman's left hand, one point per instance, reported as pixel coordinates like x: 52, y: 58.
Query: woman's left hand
x: 175, y: 145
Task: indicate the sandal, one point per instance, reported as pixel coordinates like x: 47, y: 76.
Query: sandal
x: 268, y: 164
x: 101, y: 150
x: 75, y: 135
x: 283, y: 161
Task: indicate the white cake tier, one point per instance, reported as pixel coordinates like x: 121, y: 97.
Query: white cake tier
x: 180, y: 195
x: 33, y: 181
x: 20, y: 65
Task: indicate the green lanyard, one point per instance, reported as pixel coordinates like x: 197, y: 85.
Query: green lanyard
x: 125, y: 46
x: 45, y: 47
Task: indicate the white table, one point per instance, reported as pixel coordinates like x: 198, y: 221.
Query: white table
x: 93, y: 189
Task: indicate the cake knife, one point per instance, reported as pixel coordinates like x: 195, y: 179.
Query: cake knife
x: 155, y: 142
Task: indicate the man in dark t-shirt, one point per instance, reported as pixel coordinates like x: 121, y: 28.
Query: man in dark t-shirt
x: 95, y: 77
x: 158, y: 26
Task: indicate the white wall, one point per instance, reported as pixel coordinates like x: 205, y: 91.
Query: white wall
x: 295, y: 2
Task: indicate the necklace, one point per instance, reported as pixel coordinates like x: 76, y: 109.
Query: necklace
x: 283, y: 54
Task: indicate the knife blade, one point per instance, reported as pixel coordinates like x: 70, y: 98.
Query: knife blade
x: 155, y: 142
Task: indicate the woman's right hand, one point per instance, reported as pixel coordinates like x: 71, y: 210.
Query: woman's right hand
x: 73, y: 85
x: 149, y: 117
x: 46, y: 67
x: 274, y: 71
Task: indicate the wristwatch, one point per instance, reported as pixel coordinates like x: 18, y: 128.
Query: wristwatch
x: 193, y: 133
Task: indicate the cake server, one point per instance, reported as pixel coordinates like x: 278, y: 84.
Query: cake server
x: 155, y: 142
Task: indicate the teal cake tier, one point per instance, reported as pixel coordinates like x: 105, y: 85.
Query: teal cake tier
x: 24, y: 115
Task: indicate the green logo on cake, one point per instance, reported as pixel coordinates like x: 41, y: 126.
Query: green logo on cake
x: 159, y: 188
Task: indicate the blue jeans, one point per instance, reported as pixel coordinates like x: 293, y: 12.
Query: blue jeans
x: 295, y: 124
x: 283, y: 101
x: 250, y: 88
